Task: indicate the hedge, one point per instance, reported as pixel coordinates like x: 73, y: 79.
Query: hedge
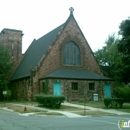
x: 122, y: 92
x: 51, y: 101
x: 113, y: 102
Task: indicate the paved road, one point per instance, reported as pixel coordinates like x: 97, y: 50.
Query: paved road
x: 14, y: 121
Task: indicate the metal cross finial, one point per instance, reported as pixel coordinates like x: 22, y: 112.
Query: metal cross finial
x: 71, y: 9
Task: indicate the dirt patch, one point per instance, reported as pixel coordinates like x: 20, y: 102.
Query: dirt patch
x: 21, y: 109
x: 49, y: 113
x: 93, y: 113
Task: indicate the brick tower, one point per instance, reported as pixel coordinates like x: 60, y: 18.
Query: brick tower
x: 12, y: 40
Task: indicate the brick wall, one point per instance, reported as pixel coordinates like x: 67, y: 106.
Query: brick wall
x: 12, y: 40
x: 53, y: 59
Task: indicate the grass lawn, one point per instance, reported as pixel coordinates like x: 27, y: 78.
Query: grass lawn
x: 80, y: 111
x: 91, y: 104
x: 92, y: 113
x: 71, y: 109
x: 20, y: 109
x: 125, y: 107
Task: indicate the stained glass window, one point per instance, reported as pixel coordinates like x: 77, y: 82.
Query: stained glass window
x: 71, y: 54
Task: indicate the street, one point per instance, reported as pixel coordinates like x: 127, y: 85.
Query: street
x: 14, y: 121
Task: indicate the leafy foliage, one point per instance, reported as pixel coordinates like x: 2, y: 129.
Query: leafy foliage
x: 109, y: 58
x: 5, y: 67
x: 113, y: 102
x: 50, y: 101
x: 122, y: 92
x: 124, y: 49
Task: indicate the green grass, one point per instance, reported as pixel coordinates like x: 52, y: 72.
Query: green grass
x: 125, y: 107
x: 21, y: 109
x: 69, y: 108
x: 93, y: 113
x: 49, y: 113
x: 90, y: 103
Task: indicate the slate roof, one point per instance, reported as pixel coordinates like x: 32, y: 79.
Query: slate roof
x: 34, y: 54
x: 63, y: 73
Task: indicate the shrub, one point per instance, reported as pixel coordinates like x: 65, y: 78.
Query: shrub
x: 50, y: 101
x: 113, y: 102
x: 122, y: 92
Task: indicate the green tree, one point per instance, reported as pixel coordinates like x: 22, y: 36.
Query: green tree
x: 124, y: 49
x: 109, y: 58
x: 5, y: 67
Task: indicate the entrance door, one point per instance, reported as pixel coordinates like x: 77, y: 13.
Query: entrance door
x: 107, y: 90
x: 57, y: 88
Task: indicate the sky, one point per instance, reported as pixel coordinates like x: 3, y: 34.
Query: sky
x: 96, y: 18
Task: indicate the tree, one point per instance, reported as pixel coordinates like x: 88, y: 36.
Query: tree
x: 124, y: 49
x: 109, y: 58
x: 5, y: 67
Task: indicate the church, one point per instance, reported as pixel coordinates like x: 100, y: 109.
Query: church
x: 59, y: 63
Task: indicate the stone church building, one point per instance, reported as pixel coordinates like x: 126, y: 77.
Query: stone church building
x: 59, y: 63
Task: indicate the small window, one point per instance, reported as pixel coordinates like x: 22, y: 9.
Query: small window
x: 74, y: 86
x: 91, y: 86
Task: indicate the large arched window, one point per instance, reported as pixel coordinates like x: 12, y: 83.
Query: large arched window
x: 71, y: 54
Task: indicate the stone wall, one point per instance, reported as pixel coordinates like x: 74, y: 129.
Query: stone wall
x: 72, y: 95
x: 21, y: 89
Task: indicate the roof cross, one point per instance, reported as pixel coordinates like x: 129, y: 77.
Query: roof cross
x: 71, y: 9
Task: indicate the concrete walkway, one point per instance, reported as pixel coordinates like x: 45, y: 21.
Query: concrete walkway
x: 96, y: 109
x: 66, y: 113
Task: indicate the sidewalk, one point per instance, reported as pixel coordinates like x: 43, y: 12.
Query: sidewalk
x: 67, y: 113
x: 97, y: 109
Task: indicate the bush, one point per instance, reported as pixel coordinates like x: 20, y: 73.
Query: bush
x: 113, y: 102
x: 122, y: 92
x: 50, y: 101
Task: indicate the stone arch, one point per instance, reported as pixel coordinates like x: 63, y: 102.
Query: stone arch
x: 76, y: 40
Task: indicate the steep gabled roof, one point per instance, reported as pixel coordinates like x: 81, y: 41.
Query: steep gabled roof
x: 34, y: 54
x: 63, y: 73
x: 38, y: 48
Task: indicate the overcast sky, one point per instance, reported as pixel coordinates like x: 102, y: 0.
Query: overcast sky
x: 96, y: 18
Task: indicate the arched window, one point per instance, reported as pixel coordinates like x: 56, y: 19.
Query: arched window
x: 71, y: 54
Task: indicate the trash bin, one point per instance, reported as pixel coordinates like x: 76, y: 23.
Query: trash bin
x: 95, y: 97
